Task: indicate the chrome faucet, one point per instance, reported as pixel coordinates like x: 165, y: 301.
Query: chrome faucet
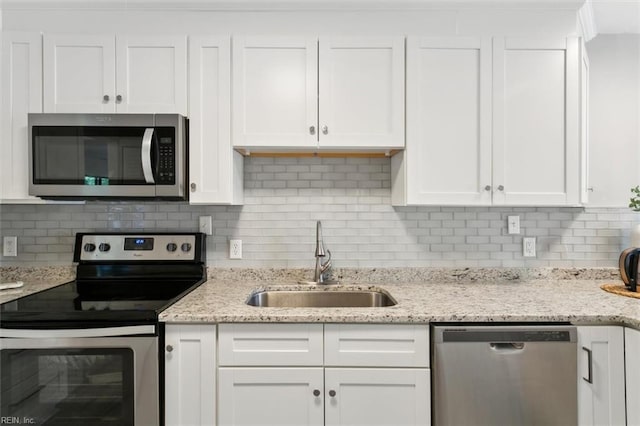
x: 321, y: 268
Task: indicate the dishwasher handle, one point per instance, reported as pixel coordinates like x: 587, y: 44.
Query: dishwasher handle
x: 507, y: 346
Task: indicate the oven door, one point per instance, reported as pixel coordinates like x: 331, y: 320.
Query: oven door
x: 67, y: 380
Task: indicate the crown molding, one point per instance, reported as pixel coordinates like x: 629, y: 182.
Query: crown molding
x: 281, y: 5
x: 587, y: 21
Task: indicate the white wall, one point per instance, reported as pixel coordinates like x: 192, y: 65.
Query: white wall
x: 317, y: 22
x: 614, y: 118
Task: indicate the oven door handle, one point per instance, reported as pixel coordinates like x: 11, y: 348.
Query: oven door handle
x: 134, y: 330
x: 145, y: 155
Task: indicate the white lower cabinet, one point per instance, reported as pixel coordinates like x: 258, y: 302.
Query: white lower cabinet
x: 601, y: 381
x: 190, y: 375
x: 270, y: 396
x: 632, y: 355
x: 377, y: 396
x: 388, y: 383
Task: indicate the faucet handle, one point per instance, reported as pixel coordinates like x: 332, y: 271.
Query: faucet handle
x: 326, y: 265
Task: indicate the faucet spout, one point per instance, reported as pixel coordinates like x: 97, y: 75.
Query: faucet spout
x: 319, y: 243
x: 322, y: 268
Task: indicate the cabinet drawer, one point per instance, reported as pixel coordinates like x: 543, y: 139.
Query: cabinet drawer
x: 372, y: 345
x: 270, y: 344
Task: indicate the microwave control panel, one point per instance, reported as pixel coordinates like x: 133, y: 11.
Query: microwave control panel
x: 166, y: 174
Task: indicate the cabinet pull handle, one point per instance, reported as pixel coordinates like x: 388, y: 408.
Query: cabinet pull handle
x: 105, y: 98
x: 193, y: 187
x: 316, y: 392
x: 119, y: 98
x: 169, y: 348
x: 332, y: 393
x: 589, y: 379
x: 500, y: 188
x: 325, y: 130
x: 487, y: 188
x: 312, y: 130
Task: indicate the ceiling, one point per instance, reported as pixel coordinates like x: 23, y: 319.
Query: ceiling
x: 616, y: 16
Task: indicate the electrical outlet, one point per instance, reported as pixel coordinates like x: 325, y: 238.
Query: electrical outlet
x: 10, y: 246
x: 529, y: 247
x: 513, y: 224
x: 206, y: 225
x: 235, y: 249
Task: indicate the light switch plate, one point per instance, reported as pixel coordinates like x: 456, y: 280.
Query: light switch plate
x: 205, y: 225
x: 513, y: 224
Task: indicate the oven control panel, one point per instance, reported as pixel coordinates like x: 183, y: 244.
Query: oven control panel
x: 137, y: 247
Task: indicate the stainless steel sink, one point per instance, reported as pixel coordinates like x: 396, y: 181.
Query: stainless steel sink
x: 321, y: 299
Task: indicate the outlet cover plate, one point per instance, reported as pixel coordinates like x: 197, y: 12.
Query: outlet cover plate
x: 235, y: 249
x: 529, y: 247
x: 10, y: 246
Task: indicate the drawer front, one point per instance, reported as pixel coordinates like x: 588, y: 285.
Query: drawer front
x: 376, y: 345
x: 270, y: 344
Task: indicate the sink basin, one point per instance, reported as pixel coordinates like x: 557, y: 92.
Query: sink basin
x: 321, y: 299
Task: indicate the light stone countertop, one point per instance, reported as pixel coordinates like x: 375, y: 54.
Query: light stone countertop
x: 423, y: 295
x: 579, y: 301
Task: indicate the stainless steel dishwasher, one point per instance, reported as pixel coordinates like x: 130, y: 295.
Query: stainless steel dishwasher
x: 504, y: 375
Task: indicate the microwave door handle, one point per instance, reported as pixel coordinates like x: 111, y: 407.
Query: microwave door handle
x: 146, y: 155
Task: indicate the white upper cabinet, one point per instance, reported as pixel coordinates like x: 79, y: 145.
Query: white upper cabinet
x: 79, y: 73
x: 536, y: 121
x: 21, y: 94
x: 297, y: 93
x: 215, y: 170
x: 275, y: 85
x: 448, y: 149
x: 94, y: 74
x: 361, y: 92
x: 491, y: 124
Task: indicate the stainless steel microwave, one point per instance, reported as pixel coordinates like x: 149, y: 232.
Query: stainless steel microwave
x: 108, y: 156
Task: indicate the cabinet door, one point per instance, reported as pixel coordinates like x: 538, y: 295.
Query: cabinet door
x: 448, y: 150
x: 152, y: 74
x: 536, y: 121
x: 215, y: 169
x: 79, y: 73
x: 361, y: 86
x: 270, y: 396
x: 190, y: 374
x: 21, y: 94
x: 601, y: 376
x: 275, y: 92
x: 377, y: 396
x: 632, y: 355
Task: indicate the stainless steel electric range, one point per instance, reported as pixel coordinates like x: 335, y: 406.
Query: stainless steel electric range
x: 88, y: 352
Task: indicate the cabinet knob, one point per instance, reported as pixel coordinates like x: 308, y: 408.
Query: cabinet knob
x: 312, y: 130
x: 105, y: 98
x: 169, y: 348
x: 332, y: 393
x: 119, y: 98
x: 590, y: 189
x: 325, y: 130
x: 501, y: 188
x: 487, y: 188
x: 193, y: 187
x: 316, y: 392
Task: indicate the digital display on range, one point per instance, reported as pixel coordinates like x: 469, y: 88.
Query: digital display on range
x: 138, y: 243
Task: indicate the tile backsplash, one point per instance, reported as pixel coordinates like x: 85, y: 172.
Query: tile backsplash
x: 285, y: 196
